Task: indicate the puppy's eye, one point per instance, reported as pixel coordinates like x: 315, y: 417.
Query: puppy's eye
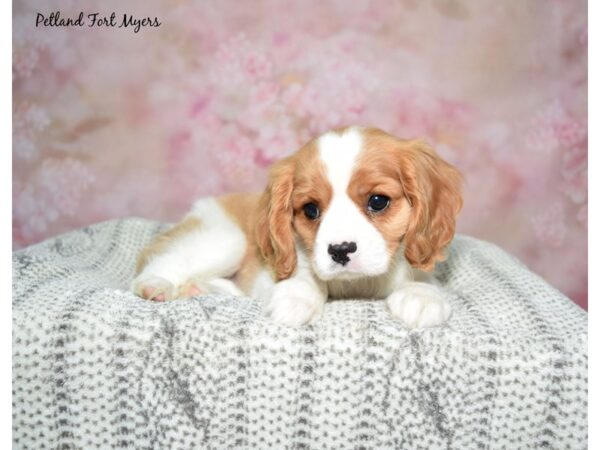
x: 378, y: 203
x: 311, y: 210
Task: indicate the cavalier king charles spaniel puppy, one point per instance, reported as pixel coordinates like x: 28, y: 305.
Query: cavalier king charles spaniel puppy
x: 355, y: 213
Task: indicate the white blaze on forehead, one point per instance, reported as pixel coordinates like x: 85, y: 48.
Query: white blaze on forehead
x: 343, y: 220
x: 338, y: 153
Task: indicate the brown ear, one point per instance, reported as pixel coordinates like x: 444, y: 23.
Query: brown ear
x: 433, y: 188
x: 274, y: 231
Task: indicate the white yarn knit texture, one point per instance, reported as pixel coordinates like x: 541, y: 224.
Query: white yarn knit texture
x: 94, y: 366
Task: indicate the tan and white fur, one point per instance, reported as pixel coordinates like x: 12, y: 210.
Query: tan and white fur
x: 267, y: 246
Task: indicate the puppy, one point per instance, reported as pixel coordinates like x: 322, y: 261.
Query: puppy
x: 355, y: 213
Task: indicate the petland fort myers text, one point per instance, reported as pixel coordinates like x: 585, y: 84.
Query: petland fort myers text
x: 54, y: 19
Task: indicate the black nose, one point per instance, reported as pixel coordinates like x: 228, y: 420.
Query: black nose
x: 339, y: 252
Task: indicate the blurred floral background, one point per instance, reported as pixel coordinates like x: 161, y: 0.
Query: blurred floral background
x: 112, y: 123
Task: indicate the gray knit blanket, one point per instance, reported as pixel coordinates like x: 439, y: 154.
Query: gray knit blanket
x: 94, y: 366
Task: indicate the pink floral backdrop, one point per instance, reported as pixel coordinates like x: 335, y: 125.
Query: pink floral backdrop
x: 112, y: 123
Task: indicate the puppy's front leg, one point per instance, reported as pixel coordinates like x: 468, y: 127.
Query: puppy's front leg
x: 419, y: 305
x: 296, y: 301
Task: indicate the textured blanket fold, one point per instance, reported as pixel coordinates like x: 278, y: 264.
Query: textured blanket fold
x: 96, y: 367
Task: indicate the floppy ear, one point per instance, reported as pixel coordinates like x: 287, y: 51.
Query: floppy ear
x: 433, y: 188
x: 274, y: 231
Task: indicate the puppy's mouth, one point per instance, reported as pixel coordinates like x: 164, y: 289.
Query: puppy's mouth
x: 350, y: 270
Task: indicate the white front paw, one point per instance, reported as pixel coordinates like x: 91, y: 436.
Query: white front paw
x: 293, y: 304
x: 419, y: 305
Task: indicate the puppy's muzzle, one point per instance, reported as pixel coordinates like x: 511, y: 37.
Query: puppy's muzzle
x: 339, y: 252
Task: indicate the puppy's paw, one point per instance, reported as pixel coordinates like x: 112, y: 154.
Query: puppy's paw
x: 153, y: 288
x: 293, y: 305
x: 191, y: 288
x: 419, y: 305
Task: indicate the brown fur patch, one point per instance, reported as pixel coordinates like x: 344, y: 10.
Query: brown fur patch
x: 376, y: 174
x: 424, y: 192
x: 310, y: 186
x: 243, y: 210
x: 161, y: 241
x: 293, y: 182
x: 274, y: 234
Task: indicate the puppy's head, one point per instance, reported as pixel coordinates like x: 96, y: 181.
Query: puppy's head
x: 351, y: 197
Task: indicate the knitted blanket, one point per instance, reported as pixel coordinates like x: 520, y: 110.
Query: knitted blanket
x: 94, y: 366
